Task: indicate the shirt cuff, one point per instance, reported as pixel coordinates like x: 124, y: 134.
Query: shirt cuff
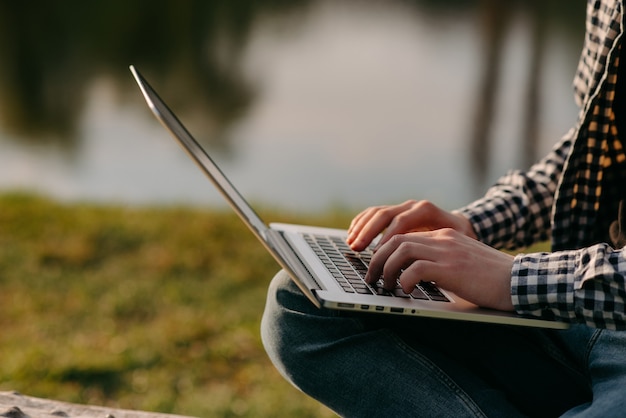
x: 542, y: 285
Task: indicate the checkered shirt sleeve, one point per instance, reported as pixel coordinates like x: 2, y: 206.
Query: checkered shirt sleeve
x: 583, y: 286
x: 516, y: 211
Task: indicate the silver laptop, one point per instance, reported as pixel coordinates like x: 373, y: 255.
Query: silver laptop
x: 319, y: 261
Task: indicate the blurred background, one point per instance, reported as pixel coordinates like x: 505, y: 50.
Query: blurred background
x: 315, y: 109
x: 307, y: 104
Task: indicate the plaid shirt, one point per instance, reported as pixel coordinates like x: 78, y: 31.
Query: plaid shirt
x: 570, y: 196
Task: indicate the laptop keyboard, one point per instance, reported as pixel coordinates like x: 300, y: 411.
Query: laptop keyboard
x: 348, y: 267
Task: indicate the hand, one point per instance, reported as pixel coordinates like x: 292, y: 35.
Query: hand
x: 410, y: 216
x: 456, y: 262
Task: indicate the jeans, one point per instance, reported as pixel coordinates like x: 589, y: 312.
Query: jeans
x: 368, y: 365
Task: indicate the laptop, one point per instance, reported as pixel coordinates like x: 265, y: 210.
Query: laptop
x: 318, y: 259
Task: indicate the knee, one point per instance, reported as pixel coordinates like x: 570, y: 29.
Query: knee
x: 296, y: 334
x: 272, y: 319
x: 283, y: 299
x: 283, y: 307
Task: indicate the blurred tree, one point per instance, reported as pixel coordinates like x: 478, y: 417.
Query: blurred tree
x: 51, y: 51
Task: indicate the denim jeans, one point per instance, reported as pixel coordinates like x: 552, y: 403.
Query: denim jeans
x: 367, y: 365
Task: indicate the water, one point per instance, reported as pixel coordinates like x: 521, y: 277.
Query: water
x: 328, y: 104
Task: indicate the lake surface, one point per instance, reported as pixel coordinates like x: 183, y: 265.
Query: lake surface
x: 330, y: 103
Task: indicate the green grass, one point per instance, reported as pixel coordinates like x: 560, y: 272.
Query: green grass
x: 135, y: 309
x: 154, y: 309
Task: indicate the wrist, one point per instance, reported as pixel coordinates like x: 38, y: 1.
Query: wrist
x: 463, y: 225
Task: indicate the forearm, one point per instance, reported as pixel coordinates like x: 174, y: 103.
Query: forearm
x: 580, y: 286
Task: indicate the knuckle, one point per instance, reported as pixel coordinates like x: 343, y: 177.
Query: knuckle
x: 384, y: 212
x: 425, y: 205
x: 404, y: 248
x: 448, y: 233
x: 401, y: 218
x: 424, y: 208
x: 397, y: 240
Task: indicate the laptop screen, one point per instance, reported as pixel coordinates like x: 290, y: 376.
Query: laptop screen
x: 171, y: 122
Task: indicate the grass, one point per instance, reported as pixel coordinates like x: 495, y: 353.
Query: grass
x: 129, y: 308
x: 135, y: 309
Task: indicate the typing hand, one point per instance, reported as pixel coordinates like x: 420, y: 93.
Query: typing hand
x: 451, y: 259
x: 410, y: 216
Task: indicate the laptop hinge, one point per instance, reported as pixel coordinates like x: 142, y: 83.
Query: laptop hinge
x: 294, y: 266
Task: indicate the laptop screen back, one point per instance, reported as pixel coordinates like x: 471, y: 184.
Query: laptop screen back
x: 206, y: 164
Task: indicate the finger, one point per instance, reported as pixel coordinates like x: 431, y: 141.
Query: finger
x: 387, y: 234
x: 418, y: 271
x: 358, y: 217
x: 398, y: 255
x: 372, y: 223
x: 377, y: 263
x: 402, y: 259
x: 358, y: 222
x: 411, y: 216
x: 367, y: 227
